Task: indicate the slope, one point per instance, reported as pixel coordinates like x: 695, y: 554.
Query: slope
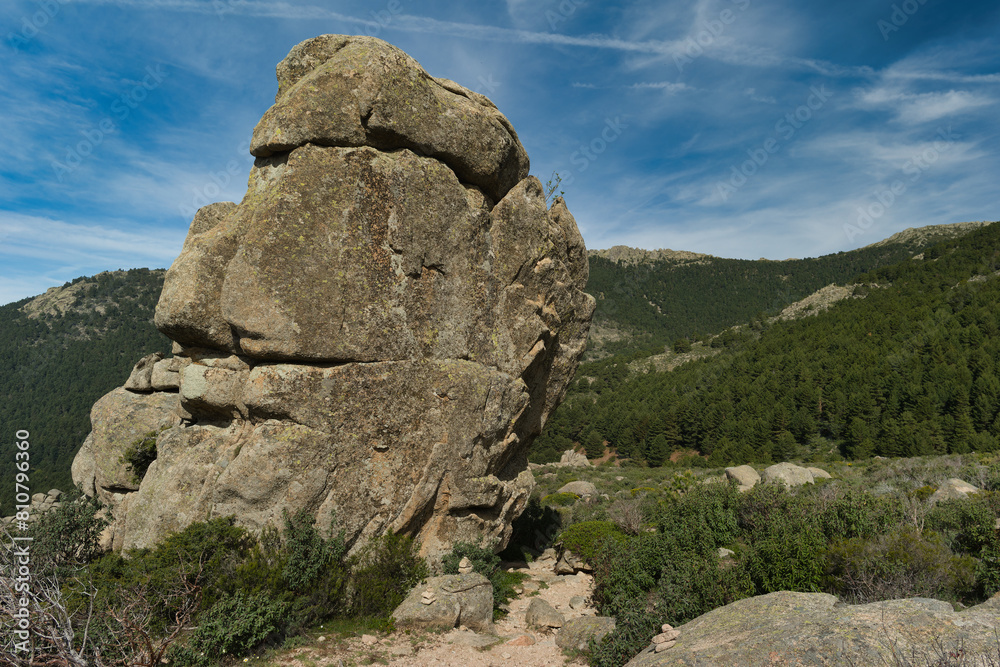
x: 59, y: 353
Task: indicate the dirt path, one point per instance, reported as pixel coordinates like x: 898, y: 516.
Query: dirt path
x: 514, y: 644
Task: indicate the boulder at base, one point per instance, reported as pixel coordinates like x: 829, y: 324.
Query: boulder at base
x: 787, y: 628
x: 455, y: 599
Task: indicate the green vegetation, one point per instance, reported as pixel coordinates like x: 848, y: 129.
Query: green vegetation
x: 54, y: 367
x: 243, y: 592
x: 909, y: 370
x: 660, y: 302
x: 836, y: 537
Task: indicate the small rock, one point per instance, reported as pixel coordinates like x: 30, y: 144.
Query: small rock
x: 663, y: 647
x: 666, y: 636
x: 321, y: 638
x: 726, y: 553
x: 369, y: 640
x: 666, y: 627
x: 540, y: 614
x: 577, y: 602
x: 522, y: 640
x: 506, y: 656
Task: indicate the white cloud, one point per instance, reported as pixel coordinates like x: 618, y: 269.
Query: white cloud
x: 36, y: 238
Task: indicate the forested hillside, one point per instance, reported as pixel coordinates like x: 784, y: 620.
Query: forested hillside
x: 909, y: 366
x: 62, y: 351
x: 658, y: 301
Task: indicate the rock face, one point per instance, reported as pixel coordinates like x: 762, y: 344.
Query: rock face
x: 813, y: 629
x: 448, y: 601
x: 375, y: 333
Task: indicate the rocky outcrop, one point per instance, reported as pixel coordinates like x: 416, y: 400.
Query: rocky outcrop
x: 375, y: 333
x: 447, y: 602
x: 815, y: 629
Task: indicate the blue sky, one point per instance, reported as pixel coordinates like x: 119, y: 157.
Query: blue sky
x: 740, y: 128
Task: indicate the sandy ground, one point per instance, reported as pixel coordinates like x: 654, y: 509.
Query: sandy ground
x: 515, y: 645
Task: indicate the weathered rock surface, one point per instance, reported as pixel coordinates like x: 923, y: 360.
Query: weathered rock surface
x: 541, y: 614
x: 458, y: 599
x: 814, y: 629
x: 576, y: 633
x: 375, y: 333
x: 336, y: 90
x: 953, y: 489
x: 788, y: 474
x: 744, y: 475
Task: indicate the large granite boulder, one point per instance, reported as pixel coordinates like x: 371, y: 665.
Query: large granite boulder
x: 787, y: 628
x: 788, y: 474
x: 953, y: 489
x: 376, y: 332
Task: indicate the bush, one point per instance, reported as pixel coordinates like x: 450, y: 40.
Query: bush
x: 383, y: 574
x: 968, y: 524
x: 786, y: 542
x: 560, y: 499
x: 860, y: 514
x: 903, y: 563
x: 67, y: 537
x: 234, y: 626
x: 587, y: 538
x: 141, y: 453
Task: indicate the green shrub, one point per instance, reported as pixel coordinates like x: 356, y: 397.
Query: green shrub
x: 560, y: 499
x: 704, y: 518
x: 383, y: 574
x: 66, y: 537
x: 968, y: 524
x: 635, y: 625
x: 234, y: 627
x: 308, y: 553
x: 587, y: 538
x: 924, y: 492
x: 785, y: 540
x: 141, y: 453
x: 860, y: 514
x: 900, y: 564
